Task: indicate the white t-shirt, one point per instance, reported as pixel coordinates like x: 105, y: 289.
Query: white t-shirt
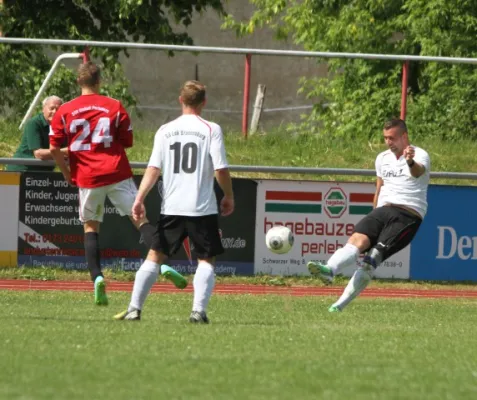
x: 188, y: 150
x: 400, y: 187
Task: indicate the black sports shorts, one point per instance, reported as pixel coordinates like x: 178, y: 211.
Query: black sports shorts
x: 203, y: 232
x: 391, y: 228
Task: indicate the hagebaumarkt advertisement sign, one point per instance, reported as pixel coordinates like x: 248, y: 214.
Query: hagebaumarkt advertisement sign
x: 50, y: 232
x: 322, y: 216
x: 445, y: 248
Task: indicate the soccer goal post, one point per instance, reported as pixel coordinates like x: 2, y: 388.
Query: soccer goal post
x: 84, y: 56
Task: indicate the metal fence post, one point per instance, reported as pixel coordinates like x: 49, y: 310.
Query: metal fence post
x: 405, y: 73
x: 85, y: 55
x: 246, y: 94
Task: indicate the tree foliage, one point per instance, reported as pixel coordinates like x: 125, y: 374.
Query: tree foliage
x: 23, y: 67
x: 362, y: 94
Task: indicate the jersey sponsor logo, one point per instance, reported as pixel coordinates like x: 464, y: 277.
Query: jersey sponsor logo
x: 89, y: 108
x: 172, y: 134
x: 392, y: 172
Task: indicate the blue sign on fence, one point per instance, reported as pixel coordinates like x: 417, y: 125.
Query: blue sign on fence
x: 445, y: 248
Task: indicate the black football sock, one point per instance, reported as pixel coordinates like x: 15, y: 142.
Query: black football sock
x: 93, y: 256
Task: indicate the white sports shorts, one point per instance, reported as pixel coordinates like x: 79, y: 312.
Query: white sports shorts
x: 121, y: 195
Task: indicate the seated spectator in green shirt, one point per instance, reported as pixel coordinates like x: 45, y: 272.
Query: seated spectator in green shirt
x: 35, y: 142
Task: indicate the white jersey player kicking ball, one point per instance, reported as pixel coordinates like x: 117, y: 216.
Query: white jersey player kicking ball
x: 400, y: 204
x: 190, y: 152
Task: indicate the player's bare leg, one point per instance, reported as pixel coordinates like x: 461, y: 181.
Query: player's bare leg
x: 93, y: 260
x: 146, y: 276
x: 204, y: 282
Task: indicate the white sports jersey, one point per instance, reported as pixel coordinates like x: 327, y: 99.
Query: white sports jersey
x: 400, y: 187
x: 188, y: 150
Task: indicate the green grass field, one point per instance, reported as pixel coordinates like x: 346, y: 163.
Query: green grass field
x: 58, y: 345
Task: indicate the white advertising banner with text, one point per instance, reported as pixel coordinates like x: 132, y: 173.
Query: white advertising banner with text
x: 322, y: 216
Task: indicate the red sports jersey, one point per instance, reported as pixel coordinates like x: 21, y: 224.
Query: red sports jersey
x: 97, y: 129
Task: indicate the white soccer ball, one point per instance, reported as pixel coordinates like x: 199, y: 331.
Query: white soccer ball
x: 279, y: 239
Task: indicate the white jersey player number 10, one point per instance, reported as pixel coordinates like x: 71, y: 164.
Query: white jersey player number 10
x: 185, y: 158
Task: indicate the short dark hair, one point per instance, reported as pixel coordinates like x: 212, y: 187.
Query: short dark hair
x: 89, y: 74
x: 396, y: 122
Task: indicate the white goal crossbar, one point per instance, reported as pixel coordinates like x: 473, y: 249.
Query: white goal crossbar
x: 43, y: 86
x: 235, y: 50
x: 248, y: 52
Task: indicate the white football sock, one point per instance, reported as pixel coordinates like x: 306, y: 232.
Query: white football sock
x: 204, y: 281
x: 146, y: 276
x: 344, y: 257
x: 356, y: 285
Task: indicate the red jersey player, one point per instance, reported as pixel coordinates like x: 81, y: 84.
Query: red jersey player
x: 97, y: 129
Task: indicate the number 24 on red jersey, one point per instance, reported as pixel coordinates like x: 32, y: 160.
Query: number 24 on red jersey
x: 100, y: 134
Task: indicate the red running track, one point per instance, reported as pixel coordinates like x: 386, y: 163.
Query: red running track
x: 10, y: 284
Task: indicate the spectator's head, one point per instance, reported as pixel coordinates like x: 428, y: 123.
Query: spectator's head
x: 395, y: 135
x: 89, y: 76
x: 192, y: 96
x: 50, y: 105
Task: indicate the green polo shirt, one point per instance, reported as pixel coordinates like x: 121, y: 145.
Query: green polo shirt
x: 35, y: 136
